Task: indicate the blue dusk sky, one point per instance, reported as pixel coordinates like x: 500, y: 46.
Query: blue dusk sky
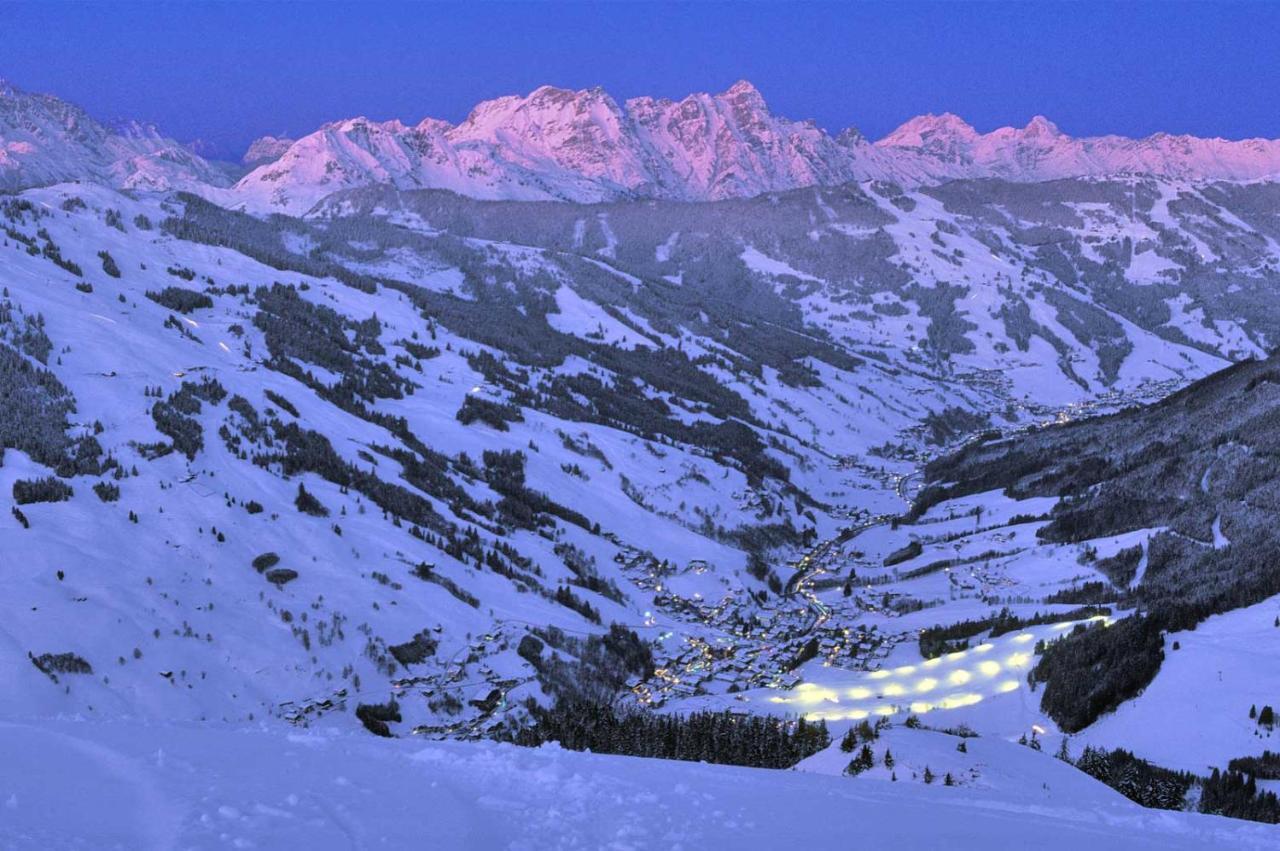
x: 228, y: 72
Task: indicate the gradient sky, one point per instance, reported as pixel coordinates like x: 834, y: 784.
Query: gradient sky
x: 228, y: 72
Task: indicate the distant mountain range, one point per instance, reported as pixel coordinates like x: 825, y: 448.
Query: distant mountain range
x: 583, y: 146
x: 45, y: 140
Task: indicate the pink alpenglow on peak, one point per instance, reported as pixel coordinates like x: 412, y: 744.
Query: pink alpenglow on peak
x: 557, y: 144
x: 266, y: 149
x: 560, y: 144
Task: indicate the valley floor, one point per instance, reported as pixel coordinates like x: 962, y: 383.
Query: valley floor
x: 74, y: 784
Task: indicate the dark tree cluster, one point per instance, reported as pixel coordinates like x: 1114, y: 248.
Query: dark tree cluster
x: 1094, y: 669
x: 904, y: 553
x: 53, y: 254
x: 175, y: 417
x: 493, y: 414
x: 377, y: 716
x: 594, y: 668
x: 307, y: 503
x: 52, y: 664
x: 109, y: 264
x: 717, y: 737
x: 938, y: 640
x: 1138, y: 780
x: 36, y: 406
x: 180, y: 299
x: 521, y: 506
x: 107, y: 491
x: 416, y: 650
x: 47, y: 489
x: 569, y: 600
x: 1263, y: 767
x: 1236, y: 795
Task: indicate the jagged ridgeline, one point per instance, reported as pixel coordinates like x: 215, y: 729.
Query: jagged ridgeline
x: 1201, y: 469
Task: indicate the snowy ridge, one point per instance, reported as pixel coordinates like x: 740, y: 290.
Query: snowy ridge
x: 946, y: 147
x: 46, y: 140
x: 265, y: 149
x: 583, y: 146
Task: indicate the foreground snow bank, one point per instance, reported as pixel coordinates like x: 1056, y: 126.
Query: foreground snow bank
x: 69, y: 784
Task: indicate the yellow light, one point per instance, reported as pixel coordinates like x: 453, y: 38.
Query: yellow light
x: 1007, y: 686
x: 884, y: 710
x: 859, y: 692
x: 956, y: 701
x: 857, y: 715
x: 904, y: 670
x: 1023, y: 637
x: 894, y: 690
x: 959, y: 678
x: 932, y: 663
x: 778, y: 700
x: 817, y: 695
x: 920, y: 707
x: 984, y: 647
x: 879, y: 675
x: 1018, y: 660
x: 959, y: 654
x: 989, y: 668
x: 926, y: 685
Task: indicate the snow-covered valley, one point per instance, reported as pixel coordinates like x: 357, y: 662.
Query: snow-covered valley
x: 427, y: 466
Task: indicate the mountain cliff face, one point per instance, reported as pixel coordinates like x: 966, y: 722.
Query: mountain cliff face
x: 583, y: 146
x: 46, y: 140
x: 266, y: 149
x: 946, y: 147
x: 586, y: 147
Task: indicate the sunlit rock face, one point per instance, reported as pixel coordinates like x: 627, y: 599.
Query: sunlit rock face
x: 583, y: 146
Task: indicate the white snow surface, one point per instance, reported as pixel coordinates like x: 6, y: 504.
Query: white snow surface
x: 72, y: 784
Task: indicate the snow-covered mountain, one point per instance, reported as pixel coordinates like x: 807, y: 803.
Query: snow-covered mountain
x: 45, y: 140
x: 946, y: 147
x: 577, y: 146
x: 418, y: 460
x: 426, y: 465
x: 584, y: 146
x: 265, y: 150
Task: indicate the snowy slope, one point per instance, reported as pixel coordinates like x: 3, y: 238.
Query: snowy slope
x: 71, y: 784
x: 186, y: 628
x: 836, y: 320
x: 1205, y: 688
